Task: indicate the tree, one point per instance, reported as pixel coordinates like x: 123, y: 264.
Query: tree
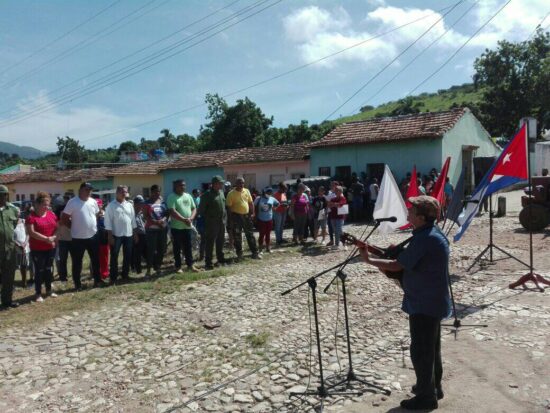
x: 70, y: 150
x: 516, y: 83
x: 186, y: 143
x: 405, y: 106
x: 167, y: 141
x: 127, y: 146
x: 237, y: 126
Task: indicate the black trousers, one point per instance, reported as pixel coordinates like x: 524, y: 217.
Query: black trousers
x: 181, y: 239
x: 43, y: 269
x: 64, y: 249
x: 426, y: 354
x: 156, y: 247
x: 139, y: 252
x: 126, y: 243
x: 79, y: 247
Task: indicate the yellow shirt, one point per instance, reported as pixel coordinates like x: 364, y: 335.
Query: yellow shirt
x: 237, y: 202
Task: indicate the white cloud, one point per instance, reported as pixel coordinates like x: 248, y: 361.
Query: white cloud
x: 514, y: 23
x: 319, y: 32
x: 306, y: 23
x: 83, y: 124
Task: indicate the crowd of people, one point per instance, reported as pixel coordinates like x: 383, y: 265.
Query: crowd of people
x: 44, y: 235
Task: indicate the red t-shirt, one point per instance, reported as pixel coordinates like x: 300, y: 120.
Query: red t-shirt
x: 334, y: 210
x: 46, y: 226
x: 281, y: 197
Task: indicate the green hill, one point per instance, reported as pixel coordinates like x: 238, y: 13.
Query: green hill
x: 25, y: 152
x: 444, y: 99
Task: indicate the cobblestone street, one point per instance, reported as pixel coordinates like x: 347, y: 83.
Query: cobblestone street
x: 233, y: 344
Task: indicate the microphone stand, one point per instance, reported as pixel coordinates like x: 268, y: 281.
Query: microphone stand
x: 351, y: 375
x: 457, y: 323
x: 322, y: 391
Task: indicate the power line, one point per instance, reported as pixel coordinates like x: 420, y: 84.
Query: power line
x: 278, y: 76
x: 391, y: 62
x: 416, y: 57
x: 136, y: 52
x: 539, y: 25
x: 84, y: 43
x: 129, y: 71
x: 60, y: 37
x: 459, y: 49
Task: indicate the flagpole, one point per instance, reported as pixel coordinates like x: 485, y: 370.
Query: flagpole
x: 531, y: 275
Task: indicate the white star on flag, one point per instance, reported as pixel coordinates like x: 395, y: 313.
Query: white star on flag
x: 507, y: 157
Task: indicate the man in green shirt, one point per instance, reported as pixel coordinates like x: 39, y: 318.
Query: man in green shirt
x: 212, y: 209
x: 182, y: 212
x: 8, y: 221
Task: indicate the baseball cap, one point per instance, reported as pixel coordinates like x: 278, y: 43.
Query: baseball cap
x: 139, y: 199
x: 217, y: 179
x: 268, y: 190
x: 86, y: 185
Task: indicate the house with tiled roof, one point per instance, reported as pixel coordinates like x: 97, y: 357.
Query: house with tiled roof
x: 138, y: 176
x: 423, y: 139
x: 260, y: 166
x: 23, y: 186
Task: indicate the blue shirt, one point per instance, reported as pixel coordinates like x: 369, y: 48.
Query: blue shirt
x: 426, y: 271
x: 265, y: 207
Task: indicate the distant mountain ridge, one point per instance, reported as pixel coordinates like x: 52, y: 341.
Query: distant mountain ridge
x: 26, y: 152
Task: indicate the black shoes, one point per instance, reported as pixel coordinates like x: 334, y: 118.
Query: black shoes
x: 419, y: 404
x: 10, y: 305
x: 439, y: 392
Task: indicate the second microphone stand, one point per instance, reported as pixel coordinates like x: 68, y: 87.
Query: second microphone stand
x: 351, y: 375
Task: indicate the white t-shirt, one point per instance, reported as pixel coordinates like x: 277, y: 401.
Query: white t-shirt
x: 373, y: 188
x: 83, y: 217
x: 120, y: 218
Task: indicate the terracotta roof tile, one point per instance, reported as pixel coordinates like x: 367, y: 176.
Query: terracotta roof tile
x: 243, y: 155
x: 139, y: 168
x: 397, y: 128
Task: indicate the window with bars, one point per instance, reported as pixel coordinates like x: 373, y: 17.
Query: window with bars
x: 324, y: 171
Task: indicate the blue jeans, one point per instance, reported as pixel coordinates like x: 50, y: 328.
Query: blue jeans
x: 182, y: 239
x: 126, y: 243
x: 279, y: 224
x: 337, y: 225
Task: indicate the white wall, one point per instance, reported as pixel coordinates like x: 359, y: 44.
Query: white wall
x: 542, y: 157
x: 28, y: 188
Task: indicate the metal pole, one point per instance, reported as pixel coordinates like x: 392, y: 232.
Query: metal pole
x: 491, y: 228
x: 530, y: 196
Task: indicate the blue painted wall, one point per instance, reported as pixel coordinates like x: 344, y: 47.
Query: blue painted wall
x: 194, y: 178
x: 400, y: 156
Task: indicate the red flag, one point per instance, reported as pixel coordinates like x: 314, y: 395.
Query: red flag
x: 438, y: 191
x: 413, y: 188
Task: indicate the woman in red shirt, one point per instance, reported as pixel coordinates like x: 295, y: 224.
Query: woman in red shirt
x: 41, y: 226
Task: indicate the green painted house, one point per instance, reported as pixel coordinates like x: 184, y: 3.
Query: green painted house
x: 423, y: 139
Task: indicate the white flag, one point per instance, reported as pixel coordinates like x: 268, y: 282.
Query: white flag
x: 390, y: 204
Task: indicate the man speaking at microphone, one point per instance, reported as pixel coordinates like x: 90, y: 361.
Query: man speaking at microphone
x: 425, y: 266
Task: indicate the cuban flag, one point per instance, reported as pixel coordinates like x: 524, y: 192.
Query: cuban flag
x: 510, y: 167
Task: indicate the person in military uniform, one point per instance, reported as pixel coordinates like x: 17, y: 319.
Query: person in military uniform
x: 212, y: 208
x: 8, y: 221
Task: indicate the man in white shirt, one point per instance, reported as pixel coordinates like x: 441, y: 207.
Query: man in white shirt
x: 120, y: 223
x: 80, y: 215
x: 373, y: 191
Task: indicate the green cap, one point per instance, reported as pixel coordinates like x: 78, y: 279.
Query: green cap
x: 4, y: 189
x: 217, y: 179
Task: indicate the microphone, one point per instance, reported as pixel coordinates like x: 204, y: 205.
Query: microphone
x: 388, y: 219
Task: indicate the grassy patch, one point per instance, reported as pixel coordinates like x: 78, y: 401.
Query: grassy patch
x: 68, y: 301
x: 257, y: 340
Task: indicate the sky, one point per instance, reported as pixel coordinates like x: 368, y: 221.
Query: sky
x: 102, y: 72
